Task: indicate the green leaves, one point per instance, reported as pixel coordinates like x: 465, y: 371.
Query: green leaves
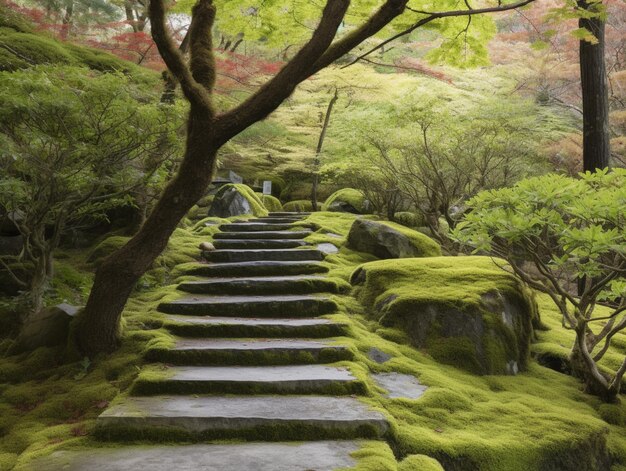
x: 574, y: 226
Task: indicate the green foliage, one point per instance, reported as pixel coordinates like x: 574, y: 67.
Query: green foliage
x: 76, y: 144
x: 571, y: 229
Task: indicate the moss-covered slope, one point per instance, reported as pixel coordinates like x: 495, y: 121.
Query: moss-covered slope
x: 21, y: 46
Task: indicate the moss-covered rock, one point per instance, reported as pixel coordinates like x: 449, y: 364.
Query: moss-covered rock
x: 271, y: 203
x: 235, y: 200
x: 408, y: 219
x: 299, y: 206
x: 106, y: 248
x: 389, y: 240
x: 419, y: 462
x: 347, y: 200
x: 464, y: 311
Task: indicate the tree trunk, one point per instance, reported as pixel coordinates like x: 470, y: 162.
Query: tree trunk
x: 592, y: 385
x: 116, y: 277
x: 318, y: 151
x: 594, y: 85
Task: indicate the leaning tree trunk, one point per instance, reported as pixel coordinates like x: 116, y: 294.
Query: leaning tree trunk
x: 594, y: 86
x: 98, y: 328
x: 318, y: 150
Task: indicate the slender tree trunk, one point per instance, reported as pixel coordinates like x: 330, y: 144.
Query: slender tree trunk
x: 318, y: 150
x: 594, y: 84
x: 116, y: 277
x: 67, y: 21
x: 130, y: 16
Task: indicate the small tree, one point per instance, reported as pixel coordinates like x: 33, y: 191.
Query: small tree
x: 73, y: 147
x: 439, y: 161
x: 554, y: 230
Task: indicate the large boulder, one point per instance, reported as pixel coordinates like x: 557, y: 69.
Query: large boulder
x: 388, y: 240
x: 347, y: 200
x: 464, y: 311
x: 47, y: 328
x: 236, y: 200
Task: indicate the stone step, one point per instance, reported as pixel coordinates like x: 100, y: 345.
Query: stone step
x: 251, y: 255
x: 254, y: 227
x: 261, y: 285
x: 251, y: 306
x: 288, y: 213
x: 224, y: 352
x: 276, y: 220
x: 252, y: 456
x: 298, y: 379
x: 221, y: 244
x: 271, y: 418
x: 257, y: 269
x: 192, y: 326
x: 262, y: 235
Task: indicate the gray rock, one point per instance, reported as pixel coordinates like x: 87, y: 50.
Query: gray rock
x: 327, y: 248
x: 206, y: 246
x: 400, y: 385
x: 384, y: 241
x: 342, y: 207
x: 378, y: 355
x: 228, y: 203
x: 11, y: 245
x: 46, y: 328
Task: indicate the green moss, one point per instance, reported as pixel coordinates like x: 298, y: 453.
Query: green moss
x: 470, y: 293
x: 299, y: 206
x: 426, y: 246
x: 408, y: 219
x: 28, y: 48
x: 270, y: 202
x: 419, y: 462
x: 374, y: 456
x: 106, y: 248
x: 352, y: 197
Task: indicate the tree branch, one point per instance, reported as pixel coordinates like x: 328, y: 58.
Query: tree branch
x: 194, y: 92
x: 277, y: 89
x: 431, y: 16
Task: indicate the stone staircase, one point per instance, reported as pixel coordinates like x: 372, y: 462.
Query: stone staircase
x: 251, y: 362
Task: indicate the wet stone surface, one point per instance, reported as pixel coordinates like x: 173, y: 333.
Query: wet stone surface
x: 400, y: 385
x: 378, y: 355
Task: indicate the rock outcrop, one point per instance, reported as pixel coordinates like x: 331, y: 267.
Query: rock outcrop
x: 236, y: 200
x: 389, y: 240
x: 463, y: 311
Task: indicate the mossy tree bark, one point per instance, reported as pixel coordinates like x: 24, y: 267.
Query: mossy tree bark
x: 207, y: 131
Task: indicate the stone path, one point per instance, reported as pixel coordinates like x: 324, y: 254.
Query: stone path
x: 250, y: 363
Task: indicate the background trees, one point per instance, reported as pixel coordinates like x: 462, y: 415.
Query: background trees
x: 74, y: 147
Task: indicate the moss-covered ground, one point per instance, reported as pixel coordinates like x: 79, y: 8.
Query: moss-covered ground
x: 539, y: 419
